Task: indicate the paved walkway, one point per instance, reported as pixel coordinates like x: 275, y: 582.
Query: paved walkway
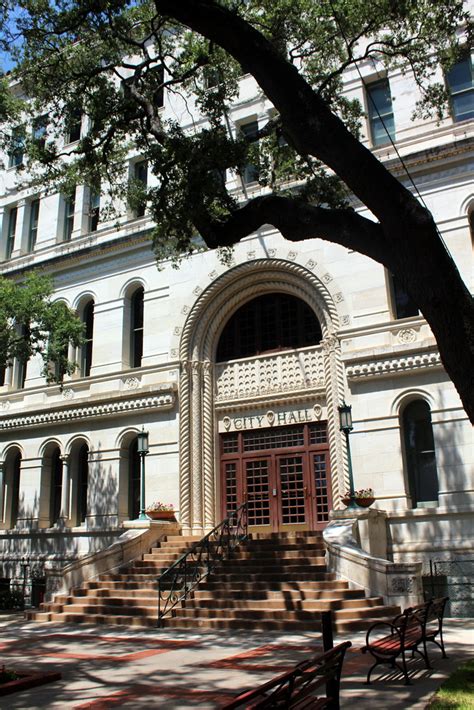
x: 106, y: 667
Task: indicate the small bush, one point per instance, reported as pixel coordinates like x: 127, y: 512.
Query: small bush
x: 11, y: 600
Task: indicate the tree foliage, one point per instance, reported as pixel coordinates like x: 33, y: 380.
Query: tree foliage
x: 111, y: 61
x: 31, y: 323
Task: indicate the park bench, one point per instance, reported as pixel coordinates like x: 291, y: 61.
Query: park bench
x: 408, y: 631
x: 299, y: 688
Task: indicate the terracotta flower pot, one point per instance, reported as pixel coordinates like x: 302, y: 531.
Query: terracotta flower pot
x: 161, y: 514
x: 346, y: 500
x: 365, y: 502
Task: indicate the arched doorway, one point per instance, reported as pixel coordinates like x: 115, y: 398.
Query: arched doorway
x: 282, y: 472
x: 211, y: 398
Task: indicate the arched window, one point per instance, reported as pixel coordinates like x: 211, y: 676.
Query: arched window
x: 136, y: 328
x: 275, y: 321
x: 56, y: 485
x: 86, y: 349
x: 11, y: 489
x: 420, y: 453
x: 134, y: 481
x: 82, y: 482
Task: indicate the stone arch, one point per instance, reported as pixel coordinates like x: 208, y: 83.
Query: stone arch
x: 10, y: 485
x: 203, y: 325
x: 123, y: 444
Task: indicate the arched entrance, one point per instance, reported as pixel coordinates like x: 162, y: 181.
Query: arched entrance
x: 284, y: 386
x: 281, y: 471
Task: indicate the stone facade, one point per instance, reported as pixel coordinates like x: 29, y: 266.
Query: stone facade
x: 185, y: 400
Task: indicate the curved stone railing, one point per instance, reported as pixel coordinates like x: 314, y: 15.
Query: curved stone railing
x: 346, y: 536
x: 132, y: 544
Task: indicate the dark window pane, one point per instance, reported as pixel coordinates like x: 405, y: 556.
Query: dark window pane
x: 88, y: 320
x: 404, y: 306
x: 382, y: 124
x: 137, y: 328
x: 268, y: 323
x: 420, y: 453
x: 33, y: 226
x: 460, y: 81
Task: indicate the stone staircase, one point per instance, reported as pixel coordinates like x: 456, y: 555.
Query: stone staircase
x: 272, y: 582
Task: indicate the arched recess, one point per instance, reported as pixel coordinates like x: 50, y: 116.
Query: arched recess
x: 78, y: 479
x: 197, y: 349
x: 419, y: 452
x: 129, y: 476
x: 51, y: 491
x: 10, y: 487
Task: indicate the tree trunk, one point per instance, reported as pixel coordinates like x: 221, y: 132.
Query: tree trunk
x: 407, y: 241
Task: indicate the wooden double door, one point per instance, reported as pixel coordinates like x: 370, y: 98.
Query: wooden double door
x: 283, y: 474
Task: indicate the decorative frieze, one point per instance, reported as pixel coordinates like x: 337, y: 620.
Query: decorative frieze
x: 163, y: 400
x: 273, y: 374
x: 393, y: 366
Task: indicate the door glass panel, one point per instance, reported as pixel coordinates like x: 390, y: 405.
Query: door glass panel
x: 318, y: 433
x: 230, y: 472
x: 258, y: 494
x: 292, y: 489
x: 279, y: 438
x: 321, y: 487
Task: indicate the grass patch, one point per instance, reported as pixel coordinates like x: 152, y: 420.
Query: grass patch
x: 457, y: 692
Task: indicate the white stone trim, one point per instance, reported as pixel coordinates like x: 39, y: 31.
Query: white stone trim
x: 393, y: 366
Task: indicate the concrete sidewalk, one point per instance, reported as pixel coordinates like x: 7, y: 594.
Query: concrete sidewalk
x: 113, y: 667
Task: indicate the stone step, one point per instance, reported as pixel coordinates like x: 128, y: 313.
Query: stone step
x: 101, y: 619
x: 107, y: 609
x: 123, y: 583
x: 284, y: 605
x: 277, y: 614
x: 287, y: 595
x: 316, y: 574
x: 220, y: 587
x: 293, y: 565
x: 271, y: 554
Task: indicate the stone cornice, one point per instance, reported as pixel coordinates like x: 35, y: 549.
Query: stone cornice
x: 65, y: 414
x: 386, y: 367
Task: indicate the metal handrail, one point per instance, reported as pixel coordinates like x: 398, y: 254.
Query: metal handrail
x: 175, y: 583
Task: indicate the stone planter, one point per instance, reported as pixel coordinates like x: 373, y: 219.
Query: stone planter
x: 361, y: 502
x: 364, y: 502
x: 161, y: 514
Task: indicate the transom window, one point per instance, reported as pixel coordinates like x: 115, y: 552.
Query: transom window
x: 276, y: 321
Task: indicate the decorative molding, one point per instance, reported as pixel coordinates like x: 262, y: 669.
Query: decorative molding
x: 132, y: 383
x: 59, y: 416
x: 393, y: 366
x: 407, y: 335
x: 283, y: 372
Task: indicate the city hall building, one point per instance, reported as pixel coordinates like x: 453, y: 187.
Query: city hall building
x: 237, y: 371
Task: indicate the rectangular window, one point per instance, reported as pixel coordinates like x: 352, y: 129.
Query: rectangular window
x: 12, y: 216
x: 403, y: 306
x: 460, y: 81
x: 73, y: 126
x: 33, y: 225
x: 381, y: 120
x: 39, y: 131
x: 140, y: 174
x: 94, y: 210
x: 69, y: 207
x: 250, y: 172
x: 17, y: 147
x: 159, y: 95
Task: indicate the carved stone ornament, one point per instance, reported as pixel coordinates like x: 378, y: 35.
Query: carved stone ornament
x: 318, y: 411
x: 311, y: 264
x: 407, y: 335
x: 132, y: 383
x: 177, y: 331
x: 174, y: 353
x: 185, y: 309
x: 226, y: 422
x: 272, y: 253
x: 292, y: 255
x: 403, y: 585
x: 339, y: 297
x: 250, y: 255
x: 270, y: 417
x: 197, y: 290
x: 346, y: 320
x: 213, y: 275
x: 327, y: 278
x: 68, y: 393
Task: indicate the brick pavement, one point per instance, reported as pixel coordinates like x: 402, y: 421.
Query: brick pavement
x: 104, y: 667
